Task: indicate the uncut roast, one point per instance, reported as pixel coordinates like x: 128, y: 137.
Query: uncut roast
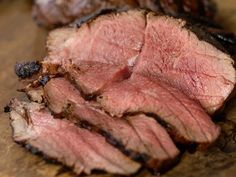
x: 123, y: 92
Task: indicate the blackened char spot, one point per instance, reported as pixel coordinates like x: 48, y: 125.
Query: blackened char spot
x: 7, y: 109
x: 159, y: 120
x: 229, y: 38
x: 43, y: 80
x: 62, y: 170
x: 32, y: 149
x: 92, y: 16
x: 85, y: 125
x: 27, y: 69
x: 204, y: 35
x: 136, y: 156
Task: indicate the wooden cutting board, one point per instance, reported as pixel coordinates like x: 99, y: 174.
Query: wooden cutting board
x: 21, y: 39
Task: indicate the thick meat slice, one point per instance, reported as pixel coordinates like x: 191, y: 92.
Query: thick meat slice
x: 174, y: 54
x: 140, y: 137
x: 141, y: 94
x: 76, y: 147
x: 93, y: 77
x: 113, y: 39
x: 170, y: 52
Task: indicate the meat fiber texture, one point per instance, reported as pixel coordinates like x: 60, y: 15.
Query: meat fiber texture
x: 134, y: 82
x: 138, y: 135
x: 154, y: 46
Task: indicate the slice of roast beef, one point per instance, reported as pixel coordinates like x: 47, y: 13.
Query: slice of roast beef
x: 112, y: 39
x: 156, y: 46
x: 197, y: 68
x: 78, y: 148
x: 140, y: 137
x: 185, y: 118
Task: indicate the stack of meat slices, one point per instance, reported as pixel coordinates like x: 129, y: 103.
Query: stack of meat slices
x: 119, y: 92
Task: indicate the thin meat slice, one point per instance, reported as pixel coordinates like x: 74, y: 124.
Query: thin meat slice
x: 59, y: 139
x: 185, y: 117
x: 176, y: 55
x: 93, y: 77
x: 156, y: 140
x: 140, y: 137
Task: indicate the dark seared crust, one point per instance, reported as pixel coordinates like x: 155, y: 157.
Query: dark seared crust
x: 202, y: 32
x: 136, y: 156
x: 68, y: 113
x: 97, y: 13
x: 7, y: 109
x: 227, y: 39
x: 27, y: 69
x: 139, y: 157
x: 43, y: 80
x: 204, y: 35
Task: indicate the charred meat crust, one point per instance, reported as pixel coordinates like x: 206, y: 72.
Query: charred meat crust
x: 139, y: 157
x: 204, y: 35
x: 136, y: 156
x: 7, y: 109
x: 27, y: 115
x: 27, y: 69
x: 43, y: 80
x: 92, y: 16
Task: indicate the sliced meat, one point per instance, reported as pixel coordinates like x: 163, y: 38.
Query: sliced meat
x: 93, y: 77
x: 156, y: 140
x: 164, y: 49
x: 175, y: 55
x: 140, y: 137
x: 186, y: 118
x: 59, y: 139
x: 111, y: 39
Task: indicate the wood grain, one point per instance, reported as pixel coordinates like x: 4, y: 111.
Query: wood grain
x: 21, y: 39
